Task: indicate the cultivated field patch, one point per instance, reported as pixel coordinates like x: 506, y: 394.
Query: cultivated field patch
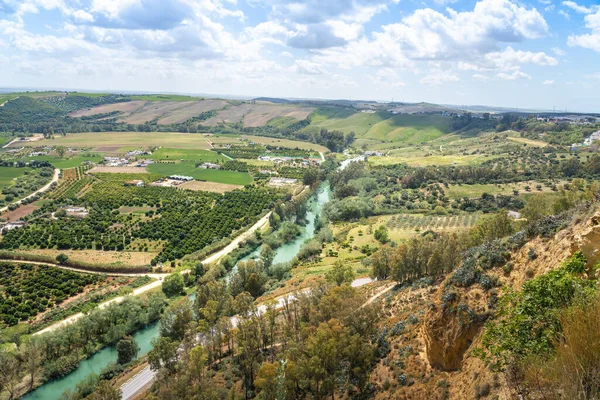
x: 123, y: 139
x: 209, y: 186
x: 118, y: 170
x: 126, y: 108
x: 189, y: 169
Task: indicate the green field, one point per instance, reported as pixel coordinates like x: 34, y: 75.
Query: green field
x: 382, y: 128
x: 70, y: 162
x: 359, y: 123
x: 8, y: 174
x: 210, y: 175
x: 409, y: 129
x: 187, y: 155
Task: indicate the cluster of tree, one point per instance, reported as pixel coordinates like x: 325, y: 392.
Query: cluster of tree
x: 316, y: 346
x: 30, y: 182
x: 27, y: 290
x: 488, y: 203
x: 53, y: 355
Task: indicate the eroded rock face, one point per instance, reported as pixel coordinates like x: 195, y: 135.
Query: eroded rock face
x: 449, y: 330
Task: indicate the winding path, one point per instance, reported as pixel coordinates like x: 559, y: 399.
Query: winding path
x: 39, y: 191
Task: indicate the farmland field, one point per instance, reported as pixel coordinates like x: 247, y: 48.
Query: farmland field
x: 186, y: 155
x: 431, y: 160
x: 211, y: 175
x: 409, y: 129
x: 98, y: 257
x: 458, y: 191
x: 258, y: 114
x: 8, y: 174
x: 292, y: 144
x: 209, y: 186
x: 68, y: 162
x: 123, y: 139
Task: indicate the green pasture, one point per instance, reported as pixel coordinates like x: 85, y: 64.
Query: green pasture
x: 186, y: 155
x: 211, y: 175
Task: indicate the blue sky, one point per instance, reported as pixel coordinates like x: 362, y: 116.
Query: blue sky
x: 527, y: 54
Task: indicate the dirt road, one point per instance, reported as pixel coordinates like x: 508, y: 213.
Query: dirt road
x: 39, y: 191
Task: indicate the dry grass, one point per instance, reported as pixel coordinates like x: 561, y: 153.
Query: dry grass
x: 129, y: 258
x: 126, y: 139
x: 574, y: 372
x: 209, y: 186
x: 258, y: 114
x: 154, y: 110
x: 535, y: 143
x: 127, y: 108
x: 192, y: 110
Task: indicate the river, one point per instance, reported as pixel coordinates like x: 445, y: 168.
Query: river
x: 287, y: 252
x: 94, y: 364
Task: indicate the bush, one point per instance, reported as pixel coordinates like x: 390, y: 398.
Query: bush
x: 173, y: 285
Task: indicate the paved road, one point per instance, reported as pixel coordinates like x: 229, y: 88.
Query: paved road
x: 145, y: 377
x: 39, y: 191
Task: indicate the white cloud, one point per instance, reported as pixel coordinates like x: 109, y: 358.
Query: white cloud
x: 439, y: 78
x: 558, y: 51
x: 564, y: 14
x: 286, y: 54
x: 513, y: 76
x: 577, y: 8
x: 308, y: 67
x: 590, y: 40
x: 388, y: 77
x: 548, y: 82
x: 82, y: 15
x: 480, y: 77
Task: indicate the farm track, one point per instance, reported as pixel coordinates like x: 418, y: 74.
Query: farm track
x: 39, y: 191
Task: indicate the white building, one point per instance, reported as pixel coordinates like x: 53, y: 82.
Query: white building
x: 593, y: 137
x: 9, y: 226
x: 208, y: 165
x: 278, y: 182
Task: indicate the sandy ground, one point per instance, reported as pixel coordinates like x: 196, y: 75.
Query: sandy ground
x: 209, y: 186
x: 20, y: 212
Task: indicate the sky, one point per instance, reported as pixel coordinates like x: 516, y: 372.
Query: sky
x: 524, y: 54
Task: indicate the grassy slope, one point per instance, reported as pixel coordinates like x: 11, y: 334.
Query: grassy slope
x: 7, y: 174
x: 409, y: 129
x: 210, y: 175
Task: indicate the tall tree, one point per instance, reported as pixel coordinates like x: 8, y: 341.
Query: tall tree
x: 127, y: 350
